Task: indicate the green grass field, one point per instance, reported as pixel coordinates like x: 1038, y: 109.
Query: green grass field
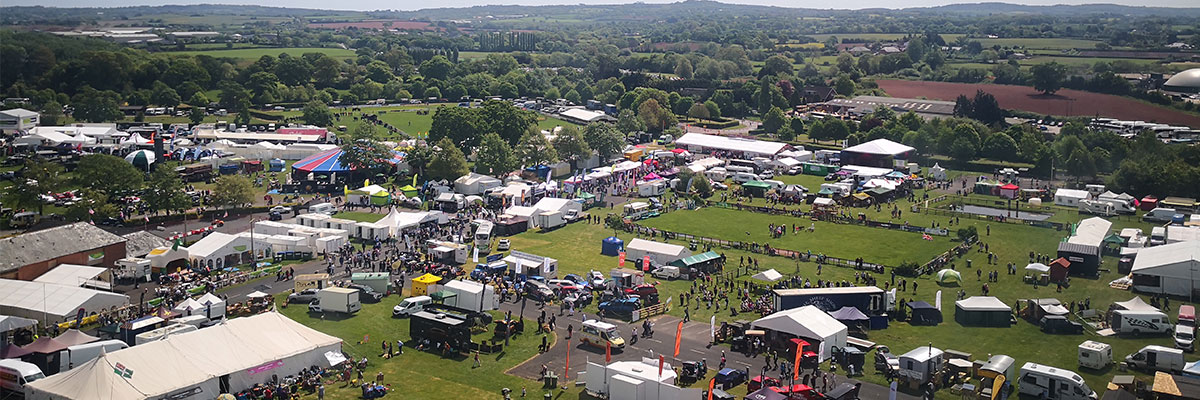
x: 256, y: 53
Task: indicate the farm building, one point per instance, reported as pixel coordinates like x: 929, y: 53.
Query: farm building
x: 1184, y: 82
x: 1168, y: 269
x: 659, y: 253
x: 1069, y: 197
x: 1083, y: 248
x: 982, y: 311
x: 29, y: 255
x: 879, y: 153
x: 701, y: 143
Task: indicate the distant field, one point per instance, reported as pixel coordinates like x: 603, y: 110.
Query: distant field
x: 213, y: 20
x: 375, y: 24
x: 256, y: 53
x: 1065, y: 102
x: 220, y: 46
x: 809, y: 46
x: 1039, y: 43
x: 862, y: 36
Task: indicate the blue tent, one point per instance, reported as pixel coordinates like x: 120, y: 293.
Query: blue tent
x: 611, y: 246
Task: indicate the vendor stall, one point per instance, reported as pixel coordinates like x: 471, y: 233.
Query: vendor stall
x: 420, y: 285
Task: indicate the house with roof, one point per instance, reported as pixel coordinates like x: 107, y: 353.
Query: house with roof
x: 817, y: 94
x: 29, y: 255
x: 18, y: 120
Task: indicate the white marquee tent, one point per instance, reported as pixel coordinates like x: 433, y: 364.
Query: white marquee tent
x: 770, y: 275
x: 248, y: 350
x: 56, y: 302
x: 807, y: 322
x: 1168, y: 269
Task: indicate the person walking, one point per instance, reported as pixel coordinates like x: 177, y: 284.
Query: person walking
x: 476, y: 360
x: 321, y: 392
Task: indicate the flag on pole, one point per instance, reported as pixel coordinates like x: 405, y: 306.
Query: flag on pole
x: 796, y: 364
x: 546, y: 266
x: 567, y: 367
x: 226, y: 214
x: 678, y: 336
x: 712, y: 329
x: 175, y: 246
x: 147, y: 218
x: 712, y: 383
x: 475, y: 257
x: 414, y: 180
x: 607, y: 352
x: 660, y: 365
x: 621, y: 260
x: 91, y: 212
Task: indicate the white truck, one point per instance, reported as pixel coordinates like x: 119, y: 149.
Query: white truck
x: 133, y: 268
x: 470, y: 295
x: 1157, y: 358
x: 1139, y: 322
x: 666, y: 272
x: 336, y: 299
x: 550, y: 220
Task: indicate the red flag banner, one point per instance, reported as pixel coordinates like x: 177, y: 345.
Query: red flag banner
x: 646, y: 263
x: 607, y: 352
x: 567, y: 367
x: 799, y: 354
x: 712, y: 384
x: 660, y: 365
x: 621, y: 263
x: 678, y: 335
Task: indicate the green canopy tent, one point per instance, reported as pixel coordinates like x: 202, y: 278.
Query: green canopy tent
x: 756, y: 188
x: 706, y: 262
x: 947, y: 276
x: 409, y: 191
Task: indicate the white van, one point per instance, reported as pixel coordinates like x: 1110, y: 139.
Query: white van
x: 1158, y: 236
x: 1157, y: 358
x: 322, y: 208
x: 78, y: 354
x: 411, y: 305
x: 1052, y: 383
x: 1185, y: 337
x: 1159, y: 214
x: 776, y: 185
x: 601, y: 334
x: 743, y: 177
x: 666, y: 272
x: 1139, y: 322
x: 14, y: 374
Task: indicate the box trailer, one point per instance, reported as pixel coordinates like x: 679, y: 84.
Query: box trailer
x: 550, y: 220
x: 473, y: 296
x: 336, y: 299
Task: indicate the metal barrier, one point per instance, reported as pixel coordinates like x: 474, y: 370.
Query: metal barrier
x: 647, y: 312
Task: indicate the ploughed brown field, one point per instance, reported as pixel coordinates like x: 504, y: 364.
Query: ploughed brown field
x: 1065, y: 102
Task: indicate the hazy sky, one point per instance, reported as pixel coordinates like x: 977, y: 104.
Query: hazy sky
x: 419, y: 4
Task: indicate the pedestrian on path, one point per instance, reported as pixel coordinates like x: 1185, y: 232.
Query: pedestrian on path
x: 476, y: 360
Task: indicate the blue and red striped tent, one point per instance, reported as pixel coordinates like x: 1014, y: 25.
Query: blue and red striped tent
x: 329, y: 161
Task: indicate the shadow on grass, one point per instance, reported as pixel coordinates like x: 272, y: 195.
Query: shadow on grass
x: 501, y: 355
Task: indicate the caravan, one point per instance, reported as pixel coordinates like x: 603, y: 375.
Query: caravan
x: 1053, y: 383
x: 1097, y: 207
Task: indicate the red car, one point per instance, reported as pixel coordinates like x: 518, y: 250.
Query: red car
x: 644, y: 290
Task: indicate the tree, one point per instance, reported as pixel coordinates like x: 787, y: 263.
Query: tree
x: 654, y: 116
x: 773, y: 120
x: 437, y: 67
x: 36, y: 179
x: 844, y: 85
x: 93, y: 206
x: 1080, y: 163
x: 967, y: 234
x: 963, y: 106
x: 701, y: 185
x: 533, y: 148
x: 962, y: 150
x: 495, y: 156
x: 317, y: 113
x: 164, y: 192
x: 108, y: 174
x: 698, y: 111
x: 1048, y: 77
x: 196, y: 115
x: 52, y: 114
x: 96, y: 106
x: 628, y: 122
x: 461, y: 125
x: 363, y: 151
x: 505, y: 120
x: 448, y: 162
x: 604, y: 139
x: 714, y: 111
x: 163, y: 95
x: 985, y: 108
x: 683, y: 68
x: 786, y: 133
x: 776, y: 65
x: 232, y: 191
x: 418, y: 158
x: 1000, y: 146
x: 681, y: 105
x: 570, y: 145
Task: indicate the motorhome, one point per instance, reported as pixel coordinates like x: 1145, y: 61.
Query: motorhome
x: 483, y: 236
x: 743, y: 164
x: 734, y: 168
x: 1097, y: 207
x: 1158, y: 236
x: 636, y: 210
x: 1052, y: 383
x: 717, y: 174
x: 78, y: 354
x: 1095, y: 355
x: 743, y: 177
x: 1185, y: 337
x: 601, y: 334
x: 1139, y: 322
x: 1157, y: 358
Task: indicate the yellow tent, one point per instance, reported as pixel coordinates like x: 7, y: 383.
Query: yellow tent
x: 421, y: 284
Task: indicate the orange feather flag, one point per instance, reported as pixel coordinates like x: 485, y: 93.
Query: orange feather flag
x: 678, y: 335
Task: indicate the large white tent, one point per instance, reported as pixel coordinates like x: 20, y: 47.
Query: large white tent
x: 702, y: 143
x: 56, y: 302
x: 218, y: 249
x: 807, y: 322
x: 1168, y: 269
x: 247, y: 350
x: 78, y: 275
x: 474, y: 183
x: 660, y: 253
x: 770, y: 275
x: 208, y: 305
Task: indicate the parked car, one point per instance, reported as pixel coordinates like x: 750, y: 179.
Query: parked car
x: 597, y: 279
x: 366, y: 294
x: 503, y: 245
x: 281, y: 209
x: 1060, y: 324
x: 302, y: 297
x: 619, y: 307
x: 275, y: 216
x: 730, y: 377
x: 644, y: 290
